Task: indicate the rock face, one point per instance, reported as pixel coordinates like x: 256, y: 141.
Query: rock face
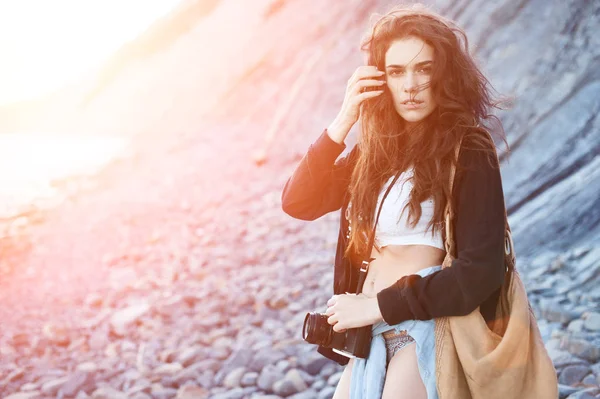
x: 551, y: 176
x: 180, y: 276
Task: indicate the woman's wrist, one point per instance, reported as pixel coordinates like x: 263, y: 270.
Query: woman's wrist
x: 338, y: 130
x: 376, y: 312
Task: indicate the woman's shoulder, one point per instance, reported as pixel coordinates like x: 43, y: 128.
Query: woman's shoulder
x: 478, y: 151
x: 478, y: 176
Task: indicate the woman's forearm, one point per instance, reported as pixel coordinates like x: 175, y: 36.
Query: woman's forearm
x: 338, y: 130
x: 318, y: 184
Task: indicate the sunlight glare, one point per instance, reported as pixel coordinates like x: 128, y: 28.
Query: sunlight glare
x: 29, y: 163
x: 47, y: 44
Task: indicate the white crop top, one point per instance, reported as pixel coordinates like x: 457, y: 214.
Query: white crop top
x: 389, y: 231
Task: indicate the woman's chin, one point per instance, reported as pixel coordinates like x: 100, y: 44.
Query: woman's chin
x: 414, y: 116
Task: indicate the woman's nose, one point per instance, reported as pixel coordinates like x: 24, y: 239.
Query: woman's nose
x: 409, y: 82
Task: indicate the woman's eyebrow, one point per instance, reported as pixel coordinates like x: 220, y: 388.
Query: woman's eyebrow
x: 418, y: 64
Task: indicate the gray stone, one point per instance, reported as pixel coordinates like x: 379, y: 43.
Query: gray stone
x: 192, y: 392
x: 334, y: 379
x: 280, y: 300
x: 238, y: 358
x: 588, y: 393
x: 562, y: 358
x: 121, y: 319
x: 313, y: 363
x: 190, y: 355
x: 24, y: 395
x: 553, y: 311
x: 297, y: 379
x: 233, y: 379
x: 267, y: 377
x: 328, y: 370
x: 192, y: 372
x: 319, y: 384
x: 168, y: 369
x: 106, y: 392
x: 76, y: 381
x: 249, y: 379
x: 206, y: 379
x: 264, y: 357
x: 590, y: 379
x: 309, y: 379
x: 236, y: 393
x: 308, y: 394
x: 565, y: 390
x: 592, y: 321
x: 283, y: 365
x: 576, y: 326
x: 552, y: 344
x: 163, y: 393
x: 581, y: 348
x: 596, y: 368
x: 284, y: 388
x: 139, y: 385
x: 51, y: 387
x: 571, y: 375
x: 220, y: 353
x: 326, y: 393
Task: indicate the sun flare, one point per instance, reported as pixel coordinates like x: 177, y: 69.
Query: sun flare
x: 47, y: 44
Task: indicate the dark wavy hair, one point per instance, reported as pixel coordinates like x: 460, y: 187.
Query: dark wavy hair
x: 388, y: 145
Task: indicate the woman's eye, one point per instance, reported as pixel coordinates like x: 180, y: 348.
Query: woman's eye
x: 420, y: 70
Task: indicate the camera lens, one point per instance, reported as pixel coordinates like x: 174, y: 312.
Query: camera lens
x: 316, y: 330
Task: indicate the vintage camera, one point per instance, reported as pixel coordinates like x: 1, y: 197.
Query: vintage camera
x: 354, y: 342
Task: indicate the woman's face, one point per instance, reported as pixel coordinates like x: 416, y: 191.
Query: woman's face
x: 408, y: 72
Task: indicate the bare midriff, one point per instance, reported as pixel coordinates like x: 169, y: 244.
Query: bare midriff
x: 396, y: 261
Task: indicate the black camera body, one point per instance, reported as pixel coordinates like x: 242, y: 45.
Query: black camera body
x: 354, y: 342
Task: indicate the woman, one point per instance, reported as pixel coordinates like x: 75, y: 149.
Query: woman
x: 419, y: 96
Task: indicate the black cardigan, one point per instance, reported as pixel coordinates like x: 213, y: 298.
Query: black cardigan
x: 319, y: 186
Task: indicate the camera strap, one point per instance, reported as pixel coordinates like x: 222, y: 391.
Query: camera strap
x: 364, y: 268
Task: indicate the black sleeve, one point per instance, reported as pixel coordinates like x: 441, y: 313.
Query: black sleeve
x: 478, y: 269
x: 318, y: 184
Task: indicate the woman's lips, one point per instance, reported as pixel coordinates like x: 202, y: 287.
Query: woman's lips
x: 411, y: 105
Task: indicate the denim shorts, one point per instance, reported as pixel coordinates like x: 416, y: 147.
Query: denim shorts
x: 423, y: 333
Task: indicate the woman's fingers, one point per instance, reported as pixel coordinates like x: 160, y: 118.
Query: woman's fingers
x: 331, y: 300
x: 337, y: 325
x: 365, y: 71
x: 364, y: 76
x: 362, y: 84
x: 369, y: 94
x: 333, y: 319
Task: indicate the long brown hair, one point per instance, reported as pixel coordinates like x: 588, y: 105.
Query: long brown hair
x: 387, y: 145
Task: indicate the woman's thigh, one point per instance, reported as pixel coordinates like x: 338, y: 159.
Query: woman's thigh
x: 403, y: 379
x: 342, y: 391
